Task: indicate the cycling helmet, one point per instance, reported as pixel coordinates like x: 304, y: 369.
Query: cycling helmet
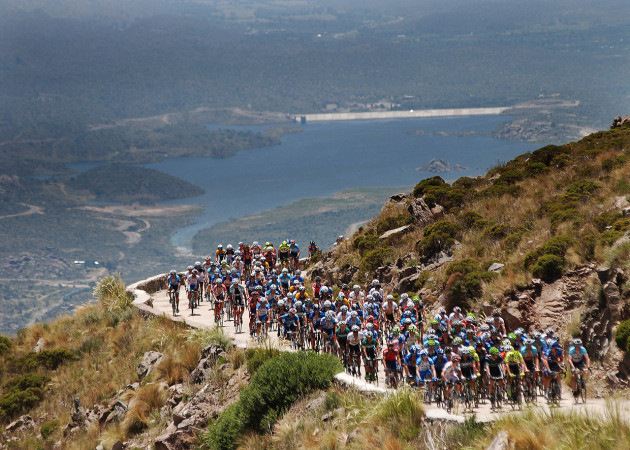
x: 255, y: 243
x: 529, y: 342
x: 469, y: 330
x: 494, y: 351
x: 292, y: 310
x: 318, y: 279
x: 285, y: 270
x: 413, y: 349
x: 219, y: 246
x: 369, y: 326
x: 457, y: 341
x: 190, y: 267
x: 403, y: 296
x: 345, y: 286
x: 456, y: 357
x: 457, y: 309
x: 259, y: 288
x: 267, y: 244
x: 356, y: 287
x: 290, y: 295
x: 465, y: 351
x: 298, y: 272
x: 442, y: 311
x: 407, y: 321
x: 195, y: 271
x: 302, y: 288
x: 434, y: 322
x: 439, y: 351
x: 390, y: 297
x: 329, y: 315
x: 512, y: 337
x: 508, y: 348
x: 354, y: 314
x: 505, y: 343
x: 344, y: 308
x: 235, y: 281
x: 323, y: 290
x: 273, y: 287
x: 432, y: 337
x: 413, y: 327
x: 369, y: 298
x: 263, y: 300
x: 537, y: 334
x: 341, y: 295
x: 172, y: 272
x: 484, y: 327
x: 355, y: 328
x: 577, y: 342
x: 217, y: 271
x: 396, y: 330
x: 298, y: 304
x: 257, y: 269
x: 390, y: 345
x: 280, y: 302
x: 327, y: 304
x: 375, y: 282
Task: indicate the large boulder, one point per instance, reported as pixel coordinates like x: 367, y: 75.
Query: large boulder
x: 150, y: 360
x: 422, y: 212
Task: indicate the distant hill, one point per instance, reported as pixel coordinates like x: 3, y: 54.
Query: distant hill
x: 120, y: 183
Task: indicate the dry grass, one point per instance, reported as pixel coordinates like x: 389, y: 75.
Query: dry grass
x: 170, y: 370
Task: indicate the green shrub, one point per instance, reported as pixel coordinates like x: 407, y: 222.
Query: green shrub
x: 563, y: 215
x: 500, y: 190
x: 373, y: 259
x: 536, y: 168
x: 557, y: 246
x: 622, y: 335
x: 365, y: 242
x: 5, y: 345
x: 257, y: 356
x: 115, y: 316
x: 512, y: 241
x: 582, y: 189
x: 586, y: 247
x: 463, y: 266
x: 48, y: 428
x: 472, y: 219
x: 426, y: 185
x: 546, y: 155
x: 548, y: 267
x: 20, y: 394
x: 276, y: 385
x: 497, y: 231
x: 436, y: 191
x: 462, y: 289
x: 49, y: 359
x: 614, y: 162
x: 606, y: 219
x: 437, y: 237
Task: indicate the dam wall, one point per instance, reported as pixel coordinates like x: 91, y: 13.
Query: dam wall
x: 321, y: 117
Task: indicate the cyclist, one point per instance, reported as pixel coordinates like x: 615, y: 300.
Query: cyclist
x: 410, y: 366
x: 579, y: 360
x: 283, y: 254
x: 291, y: 322
x: 426, y: 369
x: 451, y: 374
x: 494, y: 371
x: 192, y: 281
x: 328, y: 332
x: 553, y: 362
x: 357, y: 295
x: 173, y: 282
x: 262, y: 316
x: 297, y: 277
x: 469, y: 368
x: 270, y: 254
x: 253, y: 302
x: 219, y: 254
x: 229, y: 254
x: 237, y: 295
x: 342, y: 339
x: 390, y: 310
x: 498, y: 322
x: 317, y: 286
x: 370, y: 352
x: 515, y: 364
x: 295, y: 254
x: 312, y: 250
x: 220, y: 294
x: 530, y: 356
x: 354, y: 341
x: 391, y: 356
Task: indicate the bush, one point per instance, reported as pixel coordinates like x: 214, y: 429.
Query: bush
x: 436, y: 191
x: 112, y: 293
x: 49, y: 359
x: 257, y: 356
x: 365, y: 242
x: 276, y: 385
x: 20, y: 394
x: 5, y: 345
x: 512, y: 241
x: 497, y: 231
x: 373, y: 259
x: 622, y: 335
x: 48, y: 428
x: 472, y: 219
x: 390, y: 223
x: 557, y: 246
x: 582, y: 189
x: 437, y: 237
x: 463, y: 288
x: 548, y: 267
x: 426, y: 185
x: 463, y: 266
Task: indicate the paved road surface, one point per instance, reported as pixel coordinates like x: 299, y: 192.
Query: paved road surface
x: 204, y: 318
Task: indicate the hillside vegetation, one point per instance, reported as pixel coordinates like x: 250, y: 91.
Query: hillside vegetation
x: 541, y: 215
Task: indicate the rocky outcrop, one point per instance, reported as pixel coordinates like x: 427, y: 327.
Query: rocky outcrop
x: 620, y: 121
x: 150, y: 361
x: 209, y: 356
x: 422, y: 212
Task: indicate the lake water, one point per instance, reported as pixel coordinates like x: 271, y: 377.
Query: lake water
x: 328, y: 157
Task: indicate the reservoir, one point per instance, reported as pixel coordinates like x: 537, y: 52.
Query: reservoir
x: 328, y: 157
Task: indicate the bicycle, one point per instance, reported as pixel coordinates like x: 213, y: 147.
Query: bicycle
x: 371, y: 369
x: 529, y: 392
x: 515, y: 397
x: 218, y: 312
x: 238, y: 319
x: 467, y: 395
x: 192, y: 304
x: 438, y: 394
x: 496, y: 395
x: 354, y: 366
x: 580, y: 386
x: 554, y: 394
x: 173, y: 299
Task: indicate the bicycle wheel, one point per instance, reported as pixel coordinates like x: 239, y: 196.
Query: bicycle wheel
x: 582, y: 388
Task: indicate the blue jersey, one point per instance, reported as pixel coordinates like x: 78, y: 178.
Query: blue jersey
x: 525, y: 353
x: 439, y: 364
x: 173, y: 280
x: 577, y: 353
x: 289, y: 321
